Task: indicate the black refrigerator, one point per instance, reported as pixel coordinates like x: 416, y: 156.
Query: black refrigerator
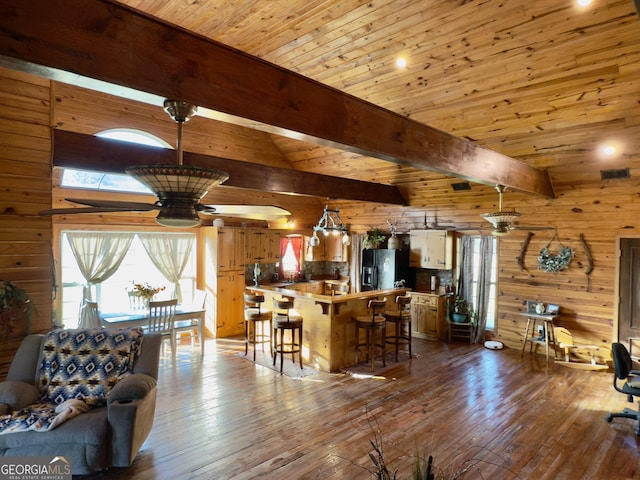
x: 383, y: 268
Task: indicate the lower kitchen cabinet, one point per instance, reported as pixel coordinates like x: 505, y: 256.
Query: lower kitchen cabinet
x: 428, y: 316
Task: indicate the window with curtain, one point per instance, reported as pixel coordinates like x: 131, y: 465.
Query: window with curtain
x: 477, y: 280
x: 136, y: 266
x: 290, y: 254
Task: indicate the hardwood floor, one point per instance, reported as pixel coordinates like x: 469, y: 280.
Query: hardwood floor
x: 503, y: 416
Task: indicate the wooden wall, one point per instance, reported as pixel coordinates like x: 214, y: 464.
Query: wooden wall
x: 25, y: 185
x: 602, y: 210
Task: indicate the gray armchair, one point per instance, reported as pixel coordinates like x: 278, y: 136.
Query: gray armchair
x: 105, y: 436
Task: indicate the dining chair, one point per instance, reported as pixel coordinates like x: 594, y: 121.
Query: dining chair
x: 191, y: 325
x: 136, y: 302
x: 89, y: 315
x: 161, y: 320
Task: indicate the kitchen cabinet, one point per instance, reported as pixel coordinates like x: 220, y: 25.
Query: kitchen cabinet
x: 262, y: 245
x: 428, y: 314
x: 230, y: 248
x: 335, y: 250
x: 331, y: 249
x: 431, y: 249
x: 221, y: 273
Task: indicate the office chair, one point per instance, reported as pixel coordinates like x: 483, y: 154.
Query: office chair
x: 631, y: 387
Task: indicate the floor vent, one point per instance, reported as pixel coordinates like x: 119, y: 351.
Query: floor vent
x: 614, y: 174
x: 458, y: 187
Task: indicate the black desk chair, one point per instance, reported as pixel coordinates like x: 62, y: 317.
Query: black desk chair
x: 631, y: 387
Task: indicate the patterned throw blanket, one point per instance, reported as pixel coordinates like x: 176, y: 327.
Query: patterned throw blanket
x: 78, y: 370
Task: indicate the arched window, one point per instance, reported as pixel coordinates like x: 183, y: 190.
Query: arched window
x: 114, y: 182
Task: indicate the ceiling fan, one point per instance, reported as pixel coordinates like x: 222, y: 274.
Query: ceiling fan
x: 179, y: 188
x: 502, y: 221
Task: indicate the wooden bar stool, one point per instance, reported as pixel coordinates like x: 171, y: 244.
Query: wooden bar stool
x: 373, y: 324
x: 401, y: 318
x: 255, y: 315
x: 285, y: 322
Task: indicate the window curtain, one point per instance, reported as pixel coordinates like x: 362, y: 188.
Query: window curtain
x: 356, y: 261
x: 98, y: 256
x: 170, y: 254
x: 466, y: 279
x: 296, y: 245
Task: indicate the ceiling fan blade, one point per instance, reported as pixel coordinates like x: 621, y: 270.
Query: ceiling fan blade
x: 531, y: 228
x: 71, y: 210
x: 252, y: 212
x: 116, y: 205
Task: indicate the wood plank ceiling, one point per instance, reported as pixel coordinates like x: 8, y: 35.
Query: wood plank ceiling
x: 541, y: 82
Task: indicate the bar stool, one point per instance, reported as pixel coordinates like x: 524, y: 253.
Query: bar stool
x: 401, y: 318
x: 283, y: 322
x: 254, y: 314
x: 373, y: 323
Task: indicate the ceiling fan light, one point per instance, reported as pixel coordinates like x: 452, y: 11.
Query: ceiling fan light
x: 164, y: 180
x: 178, y: 215
x: 500, y: 219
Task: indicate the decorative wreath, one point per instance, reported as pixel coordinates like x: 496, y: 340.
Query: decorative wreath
x: 548, y: 262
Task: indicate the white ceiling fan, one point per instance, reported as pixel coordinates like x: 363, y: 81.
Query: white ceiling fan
x: 502, y: 221
x: 179, y: 188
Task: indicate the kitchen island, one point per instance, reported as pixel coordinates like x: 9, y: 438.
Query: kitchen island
x: 328, y: 340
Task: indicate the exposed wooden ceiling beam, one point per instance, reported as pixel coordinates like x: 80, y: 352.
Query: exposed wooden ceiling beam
x: 132, y: 55
x: 77, y: 150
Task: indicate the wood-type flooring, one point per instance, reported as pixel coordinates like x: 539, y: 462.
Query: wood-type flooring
x: 494, y: 413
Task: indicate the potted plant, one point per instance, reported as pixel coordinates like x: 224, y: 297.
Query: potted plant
x: 462, y: 311
x: 15, y: 304
x: 373, y: 239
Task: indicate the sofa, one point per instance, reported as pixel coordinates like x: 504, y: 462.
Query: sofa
x: 111, y: 430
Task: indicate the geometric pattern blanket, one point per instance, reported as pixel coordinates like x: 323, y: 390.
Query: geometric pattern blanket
x: 78, y: 370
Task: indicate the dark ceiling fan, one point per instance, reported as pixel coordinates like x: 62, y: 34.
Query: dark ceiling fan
x: 179, y: 188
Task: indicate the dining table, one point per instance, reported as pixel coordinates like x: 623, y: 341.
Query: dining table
x: 140, y: 318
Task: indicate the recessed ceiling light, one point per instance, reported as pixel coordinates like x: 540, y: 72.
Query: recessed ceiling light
x: 609, y: 150
x: 401, y: 62
x: 584, y: 3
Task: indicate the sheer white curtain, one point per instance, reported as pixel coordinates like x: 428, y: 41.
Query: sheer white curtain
x: 98, y: 256
x: 482, y: 277
x: 170, y: 254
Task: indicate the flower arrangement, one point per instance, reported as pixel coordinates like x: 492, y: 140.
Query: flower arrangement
x: 14, y: 303
x: 146, y: 291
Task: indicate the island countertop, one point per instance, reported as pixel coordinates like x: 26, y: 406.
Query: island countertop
x: 328, y: 322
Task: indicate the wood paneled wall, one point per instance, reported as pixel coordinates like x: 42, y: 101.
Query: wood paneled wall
x: 602, y: 210
x: 25, y: 183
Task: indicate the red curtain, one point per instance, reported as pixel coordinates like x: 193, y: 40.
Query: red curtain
x: 296, y: 245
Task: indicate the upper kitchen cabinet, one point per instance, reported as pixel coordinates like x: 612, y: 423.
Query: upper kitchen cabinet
x: 262, y: 245
x: 431, y: 249
x: 230, y: 243
x: 331, y: 249
x: 335, y: 249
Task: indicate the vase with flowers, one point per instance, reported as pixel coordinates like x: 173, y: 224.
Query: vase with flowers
x: 146, y: 291
x: 15, y: 306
